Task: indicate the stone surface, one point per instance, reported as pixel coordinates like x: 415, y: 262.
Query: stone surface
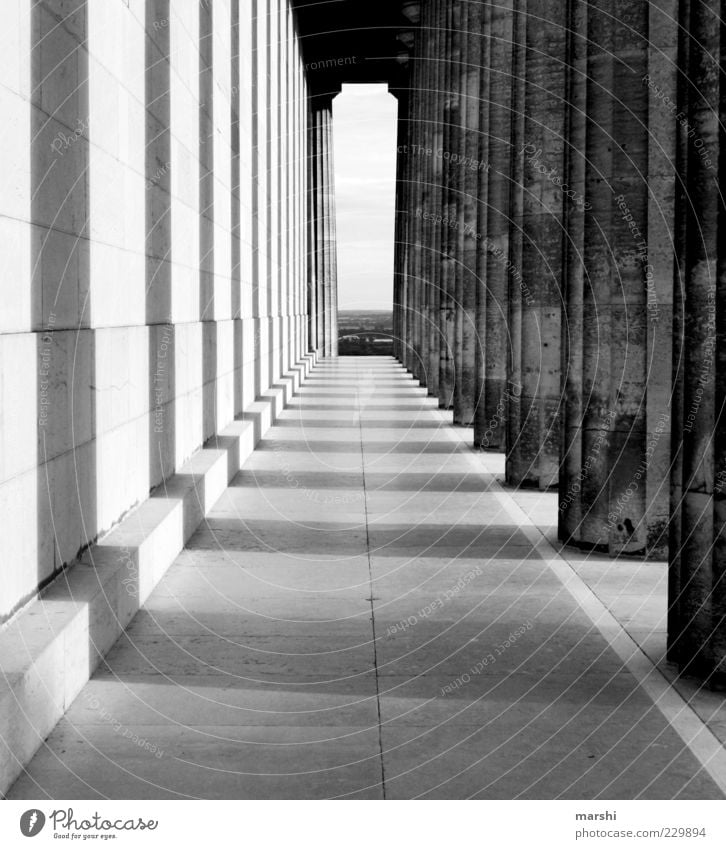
x: 539, y: 207
x: 618, y: 365
x: 145, y: 211
x: 361, y: 616
x: 696, y: 633
x: 492, y: 268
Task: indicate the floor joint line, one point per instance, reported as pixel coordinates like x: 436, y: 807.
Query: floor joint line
x: 370, y: 584
x: 680, y: 716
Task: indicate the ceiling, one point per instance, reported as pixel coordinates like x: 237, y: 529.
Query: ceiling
x: 356, y: 41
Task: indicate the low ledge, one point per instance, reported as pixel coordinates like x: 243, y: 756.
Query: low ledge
x: 49, y: 652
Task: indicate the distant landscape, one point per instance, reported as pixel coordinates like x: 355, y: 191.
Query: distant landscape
x: 365, y: 333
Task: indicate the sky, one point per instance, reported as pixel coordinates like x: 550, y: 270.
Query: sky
x: 364, y: 127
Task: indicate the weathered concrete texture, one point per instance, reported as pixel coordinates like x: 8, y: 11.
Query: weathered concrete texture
x: 451, y: 199
x: 617, y: 378
x: 399, y: 262
x: 472, y: 212
x: 416, y: 281
x: 535, y: 282
x: 697, y: 596
x: 313, y: 225
x: 435, y: 232
x: 331, y: 249
x: 322, y: 190
x: 495, y: 189
x: 345, y: 625
x: 411, y: 213
x: 321, y: 199
x: 426, y: 260
x: 420, y: 233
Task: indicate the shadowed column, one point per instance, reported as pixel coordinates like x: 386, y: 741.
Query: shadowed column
x: 451, y: 200
x: 438, y: 67
x: 493, y: 269
x: 401, y: 219
x: 407, y: 230
x: 697, y: 592
x: 331, y: 245
x: 325, y: 243
x: 418, y: 190
x: 616, y: 378
x: 425, y: 175
x: 536, y: 252
x: 472, y: 213
x: 316, y: 162
x: 323, y: 228
x: 314, y: 318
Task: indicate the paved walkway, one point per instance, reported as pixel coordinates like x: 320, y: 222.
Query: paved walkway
x: 362, y: 616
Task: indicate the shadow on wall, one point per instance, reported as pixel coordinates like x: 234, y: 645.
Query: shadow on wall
x: 60, y: 290
x: 159, y: 258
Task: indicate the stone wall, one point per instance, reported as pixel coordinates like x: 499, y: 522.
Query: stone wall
x: 152, y: 212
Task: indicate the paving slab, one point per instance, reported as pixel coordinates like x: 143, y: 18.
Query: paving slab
x: 364, y: 615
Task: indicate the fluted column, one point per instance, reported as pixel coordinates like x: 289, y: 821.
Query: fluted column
x: 415, y: 215
x: 327, y: 247
x: 419, y: 191
x: 697, y: 589
x: 435, y: 232
x: 409, y: 281
x: 471, y: 157
x: 400, y: 228
x: 617, y: 353
x: 495, y: 185
x: 322, y: 224
x: 427, y: 261
x: 450, y: 202
x: 312, y: 223
x: 315, y: 264
x: 535, y: 281
x: 331, y: 245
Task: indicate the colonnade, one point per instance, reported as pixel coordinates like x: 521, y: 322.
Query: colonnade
x: 557, y: 267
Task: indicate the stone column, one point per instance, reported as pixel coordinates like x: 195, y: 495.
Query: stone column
x: 417, y: 206
x: 323, y: 229
x: 535, y: 274
x: 437, y: 97
x: 617, y: 374
x: 399, y: 346
x: 299, y: 214
x: 419, y: 193
x: 327, y: 244
x: 495, y: 186
x: 424, y: 156
x: 314, y: 317
x: 315, y: 235
x: 399, y: 252
x: 331, y: 246
x: 697, y: 592
x: 472, y: 212
x: 451, y: 200
x: 305, y: 244
x: 406, y: 134
x: 407, y: 235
